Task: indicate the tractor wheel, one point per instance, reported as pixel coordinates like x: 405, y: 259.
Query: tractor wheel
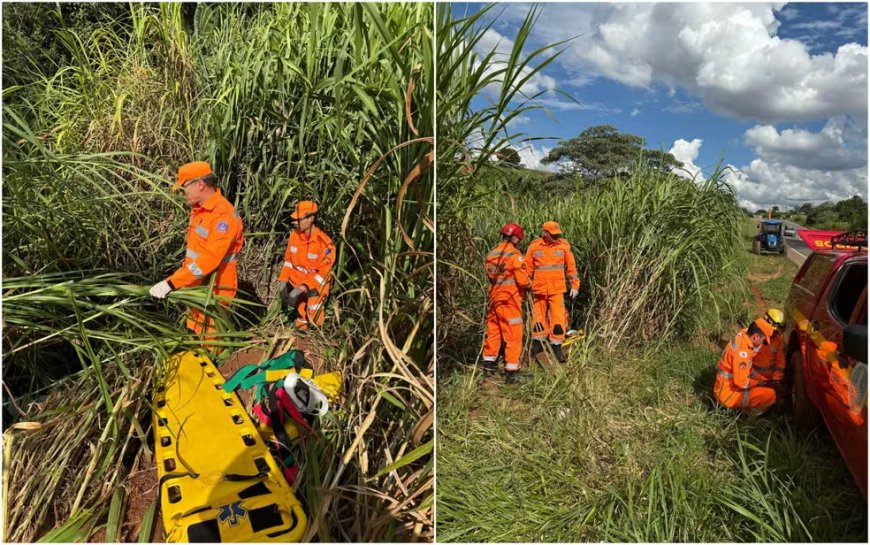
x: 804, y: 415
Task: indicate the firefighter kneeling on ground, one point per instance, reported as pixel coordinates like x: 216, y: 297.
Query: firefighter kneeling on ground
x: 740, y: 383
x: 508, y: 281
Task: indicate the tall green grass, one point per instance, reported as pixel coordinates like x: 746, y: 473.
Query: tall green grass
x: 287, y: 101
x: 628, y: 447
x: 659, y: 257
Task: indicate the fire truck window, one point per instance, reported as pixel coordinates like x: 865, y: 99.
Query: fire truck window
x: 816, y: 272
x: 848, y: 290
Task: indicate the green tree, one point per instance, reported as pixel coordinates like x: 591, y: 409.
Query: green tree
x: 853, y: 212
x: 604, y: 152
x: 31, y: 44
x: 511, y: 157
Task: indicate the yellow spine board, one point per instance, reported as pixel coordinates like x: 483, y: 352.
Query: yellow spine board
x: 200, y: 429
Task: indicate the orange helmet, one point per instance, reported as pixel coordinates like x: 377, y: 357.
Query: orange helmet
x: 191, y: 171
x: 552, y: 227
x: 304, y: 209
x: 511, y: 229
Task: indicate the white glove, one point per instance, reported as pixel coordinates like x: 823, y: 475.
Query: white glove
x: 574, y: 292
x: 160, y: 290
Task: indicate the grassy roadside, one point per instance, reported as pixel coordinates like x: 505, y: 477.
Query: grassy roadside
x: 628, y: 446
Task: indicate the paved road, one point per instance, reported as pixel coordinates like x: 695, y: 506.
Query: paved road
x: 794, y: 245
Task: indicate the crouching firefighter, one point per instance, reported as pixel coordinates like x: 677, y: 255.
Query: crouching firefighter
x: 305, y: 278
x: 739, y: 385
x: 508, y: 281
x: 770, y: 360
x: 548, y: 259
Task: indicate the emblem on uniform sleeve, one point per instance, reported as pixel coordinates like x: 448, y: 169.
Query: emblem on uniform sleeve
x: 744, y: 354
x: 223, y: 227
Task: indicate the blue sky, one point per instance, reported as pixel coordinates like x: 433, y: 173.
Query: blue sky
x: 777, y: 90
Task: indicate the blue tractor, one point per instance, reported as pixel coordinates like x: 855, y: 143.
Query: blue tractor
x: 769, y: 239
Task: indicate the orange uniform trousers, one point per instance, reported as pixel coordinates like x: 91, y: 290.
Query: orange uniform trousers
x: 504, y: 323
x: 549, y: 317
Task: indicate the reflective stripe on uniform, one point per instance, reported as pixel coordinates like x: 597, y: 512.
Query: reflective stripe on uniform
x: 746, y: 397
x: 194, y: 268
x: 572, y: 276
x: 559, y: 253
x: 503, y: 282
x: 293, y: 249
x: 318, y: 278
x: 515, y: 321
x: 314, y: 307
x: 229, y: 258
x: 496, y: 253
x: 511, y: 366
x: 549, y: 267
x: 725, y: 374
x: 201, y: 231
x: 312, y: 256
x: 300, y: 268
x: 538, y: 253
x: 490, y: 358
x: 288, y: 264
x: 733, y: 344
x: 191, y: 254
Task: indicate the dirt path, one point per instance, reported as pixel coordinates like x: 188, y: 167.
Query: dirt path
x: 759, y: 299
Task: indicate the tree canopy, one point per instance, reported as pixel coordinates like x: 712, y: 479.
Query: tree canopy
x: 604, y: 152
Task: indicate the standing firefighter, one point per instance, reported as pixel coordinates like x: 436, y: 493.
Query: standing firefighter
x: 739, y: 385
x: 306, y: 276
x: 508, y: 280
x: 548, y: 259
x: 214, y: 240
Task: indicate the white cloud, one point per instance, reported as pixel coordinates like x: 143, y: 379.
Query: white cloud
x: 763, y: 184
x: 518, y: 121
x: 634, y: 112
x: 839, y: 146
x: 531, y: 157
x: 686, y: 152
x: 726, y: 54
x: 502, y: 46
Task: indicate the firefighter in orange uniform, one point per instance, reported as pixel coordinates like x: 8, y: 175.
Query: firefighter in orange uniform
x: 508, y: 280
x: 739, y: 385
x: 215, y: 237
x: 305, y: 278
x: 770, y: 360
x: 548, y: 259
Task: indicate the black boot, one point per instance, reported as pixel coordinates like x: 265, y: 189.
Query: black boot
x: 489, y: 368
x: 560, y: 354
x: 537, y: 347
x: 515, y: 377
